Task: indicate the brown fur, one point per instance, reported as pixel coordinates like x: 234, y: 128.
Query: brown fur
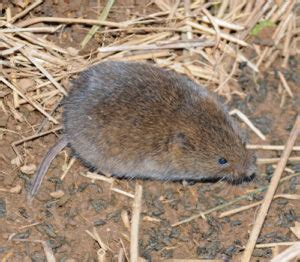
x: 137, y: 120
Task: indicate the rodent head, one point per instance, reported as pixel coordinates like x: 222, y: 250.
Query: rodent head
x: 209, y: 147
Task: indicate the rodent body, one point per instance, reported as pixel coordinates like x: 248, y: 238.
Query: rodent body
x: 137, y: 120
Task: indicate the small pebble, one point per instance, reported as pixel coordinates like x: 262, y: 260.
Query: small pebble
x: 23, y: 212
x: 83, y: 186
x: 231, y: 250
x: 99, y: 222
x: 235, y: 223
x: 263, y: 252
x: 22, y: 235
x: 115, y: 216
x: 98, y: 204
x: 38, y: 257
x: 28, y: 169
x: 57, y: 242
x: 57, y: 194
x: 48, y: 229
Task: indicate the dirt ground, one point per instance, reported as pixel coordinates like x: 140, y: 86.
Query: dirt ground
x: 85, y: 204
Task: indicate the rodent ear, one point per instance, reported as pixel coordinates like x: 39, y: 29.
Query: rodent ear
x: 181, y: 141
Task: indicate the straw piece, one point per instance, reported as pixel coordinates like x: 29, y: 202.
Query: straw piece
x: 215, y: 26
x: 29, y: 100
x: 263, y: 161
x: 192, y: 260
x: 43, y: 29
x: 256, y: 14
x: 223, y: 7
x: 36, y: 20
x: 48, y: 252
x: 135, y: 223
x: 14, y: 144
x: 248, y: 122
x: 285, y: 84
x: 223, y: 23
x: 11, y: 50
x: 288, y: 254
x: 187, y: 13
x: 45, y: 72
x: 173, y: 9
x: 287, y: 42
x: 243, y: 208
x: 95, y: 28
x: 26, y: 11
x: 97, y: 238
x: 109, y: 180
x: 70, y: 164
x: 271, y: 191
x: 220, y: 207
x: 271, y: 147
x: 213, y: 32
x: 174, y: 45
x: 268, y: 245
x: 147, y: 55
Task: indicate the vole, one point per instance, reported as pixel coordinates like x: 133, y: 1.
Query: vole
x: 137, y: 120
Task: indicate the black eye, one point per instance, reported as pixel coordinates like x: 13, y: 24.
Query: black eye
x: 222, y: 161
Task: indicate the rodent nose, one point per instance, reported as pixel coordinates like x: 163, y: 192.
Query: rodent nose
x: 249, y: 178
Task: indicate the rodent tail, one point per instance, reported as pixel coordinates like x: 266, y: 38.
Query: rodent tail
x: 44, y: 166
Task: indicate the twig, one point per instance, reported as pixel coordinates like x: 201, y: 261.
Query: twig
x: 271, y: 191
x: 135, y: 223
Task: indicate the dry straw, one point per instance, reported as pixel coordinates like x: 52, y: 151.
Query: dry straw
x: 206, y: 40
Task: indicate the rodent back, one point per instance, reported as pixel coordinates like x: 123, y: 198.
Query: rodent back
x: 139, y: 119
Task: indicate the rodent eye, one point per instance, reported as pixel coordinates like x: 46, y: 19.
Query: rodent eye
x: 222, y: 161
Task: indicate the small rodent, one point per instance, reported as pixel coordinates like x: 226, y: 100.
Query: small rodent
x: 140, y: 121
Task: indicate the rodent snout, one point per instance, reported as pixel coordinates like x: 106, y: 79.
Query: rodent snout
x: 241, y: 179
x: 249, y: 172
